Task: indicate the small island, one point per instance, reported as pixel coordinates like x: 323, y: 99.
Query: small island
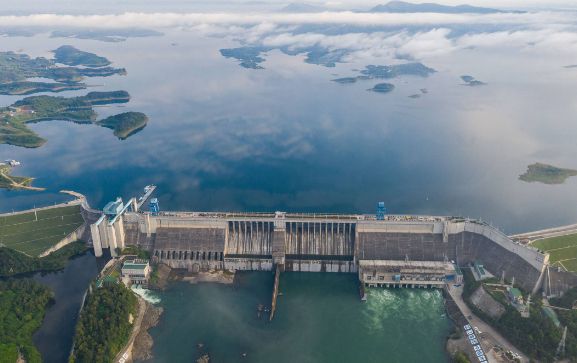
x: 382, y: 88
x: 71, y: 56
x: 125, y: 124
x: 345, y: 80
x: 105, y: 35
x: 471, y: 81
x: 546, y: 174
x: 13, y: 119
x: 16, y: 70
x: 397, y: 70
x: 389, y: 72
x: 249, y: 57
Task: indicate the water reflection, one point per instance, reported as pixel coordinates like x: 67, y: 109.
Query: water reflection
x: 286, y: 138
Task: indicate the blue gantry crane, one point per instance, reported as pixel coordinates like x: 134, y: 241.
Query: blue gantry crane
x: 381, y: 211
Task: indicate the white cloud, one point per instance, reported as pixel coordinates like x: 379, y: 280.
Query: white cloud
x: 160, y: 20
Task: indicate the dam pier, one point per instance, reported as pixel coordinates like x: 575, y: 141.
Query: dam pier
x: 383, y: 250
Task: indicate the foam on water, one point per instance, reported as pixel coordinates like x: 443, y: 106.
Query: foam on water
x: 146, y: 294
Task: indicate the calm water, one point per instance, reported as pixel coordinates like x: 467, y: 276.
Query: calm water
x: 222, y: 137
x: 319, y: 319
x: 54, y: 338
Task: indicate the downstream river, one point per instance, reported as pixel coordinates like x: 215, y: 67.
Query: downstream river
x: 54, y: 338
x: 319, y: 318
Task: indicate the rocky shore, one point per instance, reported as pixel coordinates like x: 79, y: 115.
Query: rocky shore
x: 142, y: 349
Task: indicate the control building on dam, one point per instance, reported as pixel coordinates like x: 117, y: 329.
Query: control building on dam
x: 322, y: 243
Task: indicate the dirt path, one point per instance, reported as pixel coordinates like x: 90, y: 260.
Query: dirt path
x: 5, y: 172
x: 125, y: 354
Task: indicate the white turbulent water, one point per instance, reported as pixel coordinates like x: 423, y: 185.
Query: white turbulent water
x: 148, y: 295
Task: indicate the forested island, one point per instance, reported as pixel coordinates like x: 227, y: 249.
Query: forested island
x: 23, y: 304
x: 16, y: 69
x: 382, y: 88
x: 125, y: 124
x: 249, y: 57
x: 105, y: 323
x: 547, y: 174
x: 388, y: 72
x: 13, y: 119
x: 71, y: 56
x: 472, y: 81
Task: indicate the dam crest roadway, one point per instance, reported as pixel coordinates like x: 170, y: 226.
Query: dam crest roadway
x: 390, y: 250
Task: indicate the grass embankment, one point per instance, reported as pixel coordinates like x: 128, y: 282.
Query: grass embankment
x: 547, y: 174
x: 136, y: 251
x: 33, y: 234
x: 536, y: 336
x: 15, y: 263
x: 562, y: 250
x: 22, y: 306
x: 104, y: 326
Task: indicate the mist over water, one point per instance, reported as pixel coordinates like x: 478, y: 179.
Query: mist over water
x: 319, y: 318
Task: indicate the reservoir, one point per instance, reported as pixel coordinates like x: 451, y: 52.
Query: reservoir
x: 319, y: 318
x: 300, y: 142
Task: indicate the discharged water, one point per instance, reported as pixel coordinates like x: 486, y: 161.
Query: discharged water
x: 319, y: 318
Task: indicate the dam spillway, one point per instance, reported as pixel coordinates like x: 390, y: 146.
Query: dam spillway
x: 320, y: 242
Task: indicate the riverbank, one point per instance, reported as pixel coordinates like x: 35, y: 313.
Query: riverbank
x: 142, y: 348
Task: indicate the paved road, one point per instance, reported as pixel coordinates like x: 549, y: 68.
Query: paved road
x: 489, y: 336
x: 125, y: 355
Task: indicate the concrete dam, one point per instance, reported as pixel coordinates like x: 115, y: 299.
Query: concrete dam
x: 418, y: 250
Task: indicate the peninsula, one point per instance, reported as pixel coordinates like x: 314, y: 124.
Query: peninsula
x: 16, y: 70
x: 71, y: 56
x: 8, y: 181
x: 546, y: 174
x: 13, y: 119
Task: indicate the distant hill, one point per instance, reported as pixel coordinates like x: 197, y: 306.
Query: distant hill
x: 404, y: 7
x: 302, y: 8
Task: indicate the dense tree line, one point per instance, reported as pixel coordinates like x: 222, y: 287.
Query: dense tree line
x: 22, y: 306
x: 13, y: 262
x: 104, y: 326
x: 568, y: 319
x: 537, y: 336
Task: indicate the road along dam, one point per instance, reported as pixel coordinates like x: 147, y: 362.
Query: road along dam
x: 390, y: 251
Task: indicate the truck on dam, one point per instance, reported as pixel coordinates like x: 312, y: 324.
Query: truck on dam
x: 384, y: 250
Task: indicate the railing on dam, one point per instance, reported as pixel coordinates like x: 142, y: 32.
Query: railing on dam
x: 234, y: 216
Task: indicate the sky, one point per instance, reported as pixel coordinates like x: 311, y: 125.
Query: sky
x: 74, y: 6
